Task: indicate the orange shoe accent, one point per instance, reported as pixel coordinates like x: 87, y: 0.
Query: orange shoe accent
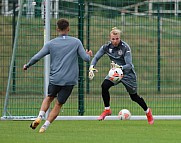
x: 150, y: 117
x: 104, y: 114
x: 35, y: 123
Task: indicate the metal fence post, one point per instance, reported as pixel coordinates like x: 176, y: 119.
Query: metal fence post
x: 81, y: 66
x: 158, y: 50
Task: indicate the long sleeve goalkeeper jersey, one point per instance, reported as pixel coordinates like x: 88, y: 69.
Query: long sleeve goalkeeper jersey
x: 122, y: 56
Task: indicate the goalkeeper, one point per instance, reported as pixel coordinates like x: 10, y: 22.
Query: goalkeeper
x: 119, y: 53
x: 64, y: 51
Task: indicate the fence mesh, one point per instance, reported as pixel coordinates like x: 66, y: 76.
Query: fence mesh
x: 151, y: 28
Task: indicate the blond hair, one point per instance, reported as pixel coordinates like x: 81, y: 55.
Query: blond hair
x: 115, y: 31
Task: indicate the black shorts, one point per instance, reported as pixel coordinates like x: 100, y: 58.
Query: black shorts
x: 61, y: 92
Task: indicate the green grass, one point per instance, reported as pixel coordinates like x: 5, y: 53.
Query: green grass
x: 163, y: 131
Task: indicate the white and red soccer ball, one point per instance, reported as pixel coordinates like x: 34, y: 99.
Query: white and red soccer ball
x: 115, y: 74
x: 124, y: 114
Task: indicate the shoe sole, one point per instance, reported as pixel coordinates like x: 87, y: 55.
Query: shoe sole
x: 152, y: 122
x: 102, y: 118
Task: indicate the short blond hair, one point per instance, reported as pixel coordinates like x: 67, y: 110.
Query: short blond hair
x: 115, y: 31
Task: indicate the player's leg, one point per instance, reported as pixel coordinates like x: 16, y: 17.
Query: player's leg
x: 44, y: 107
x: 51, y: 117
x: 63, y: 95
x: 130, y: 83
x: 132, y: 90
x: 140, y: 101
x: 136, y: 98
x: 106, y: 98
x: 52, y: 92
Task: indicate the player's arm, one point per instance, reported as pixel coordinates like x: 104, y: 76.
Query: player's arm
x: 43, y: 52
x: 128, y: 61
x: 94, y: 61
x: 85, y: 55
x: 115, y: 65
x: 97, y: 56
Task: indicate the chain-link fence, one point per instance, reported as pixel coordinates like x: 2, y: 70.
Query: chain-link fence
x: 151, y: 28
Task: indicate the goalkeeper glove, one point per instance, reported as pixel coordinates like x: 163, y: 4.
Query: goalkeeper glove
x: 114, y: 65
x: 91, y: 72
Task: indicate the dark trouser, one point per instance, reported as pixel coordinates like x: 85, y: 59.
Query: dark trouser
x: 107, y: 84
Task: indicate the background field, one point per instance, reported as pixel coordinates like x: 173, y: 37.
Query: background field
x: 92, y: 131
x: 148, y: 34
x: 139, y: 29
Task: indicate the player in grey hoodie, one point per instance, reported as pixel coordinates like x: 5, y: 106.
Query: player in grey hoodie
x: 64, y: 51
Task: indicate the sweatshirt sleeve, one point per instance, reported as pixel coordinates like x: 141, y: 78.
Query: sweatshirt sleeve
x: 128, y: 60
x: 43, y: 52
x: 82, y: 53
x: 97, y: 56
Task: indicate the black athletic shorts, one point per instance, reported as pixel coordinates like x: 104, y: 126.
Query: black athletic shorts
x: 61, y: 92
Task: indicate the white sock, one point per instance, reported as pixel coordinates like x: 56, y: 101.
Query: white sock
x: 46, y: 124
x: 107, y: 108
x: 41, y: 114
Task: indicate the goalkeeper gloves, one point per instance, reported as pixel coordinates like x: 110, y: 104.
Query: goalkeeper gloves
x: 114, y: 65
x: 91, y: 72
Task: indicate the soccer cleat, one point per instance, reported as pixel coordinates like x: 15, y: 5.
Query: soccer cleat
x: 150, y: 117
x: 104, y: 114
x: 42, y: 130
x: 35, y: 123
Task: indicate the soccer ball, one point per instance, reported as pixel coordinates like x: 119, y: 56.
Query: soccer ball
x: 124, y: 114
x: 115, y: 74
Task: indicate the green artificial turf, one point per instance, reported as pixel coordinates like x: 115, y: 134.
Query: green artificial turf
x: 163, y: 131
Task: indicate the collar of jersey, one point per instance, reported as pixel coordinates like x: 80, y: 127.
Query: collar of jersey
x: 63, y: 35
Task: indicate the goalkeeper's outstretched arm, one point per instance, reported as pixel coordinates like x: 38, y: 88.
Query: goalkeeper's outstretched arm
x: 94, y: 61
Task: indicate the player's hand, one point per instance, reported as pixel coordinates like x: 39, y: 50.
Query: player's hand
x: 25, y: 67
x: 91, y: 72
x: 114, y: 65
x: 89, y: 52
